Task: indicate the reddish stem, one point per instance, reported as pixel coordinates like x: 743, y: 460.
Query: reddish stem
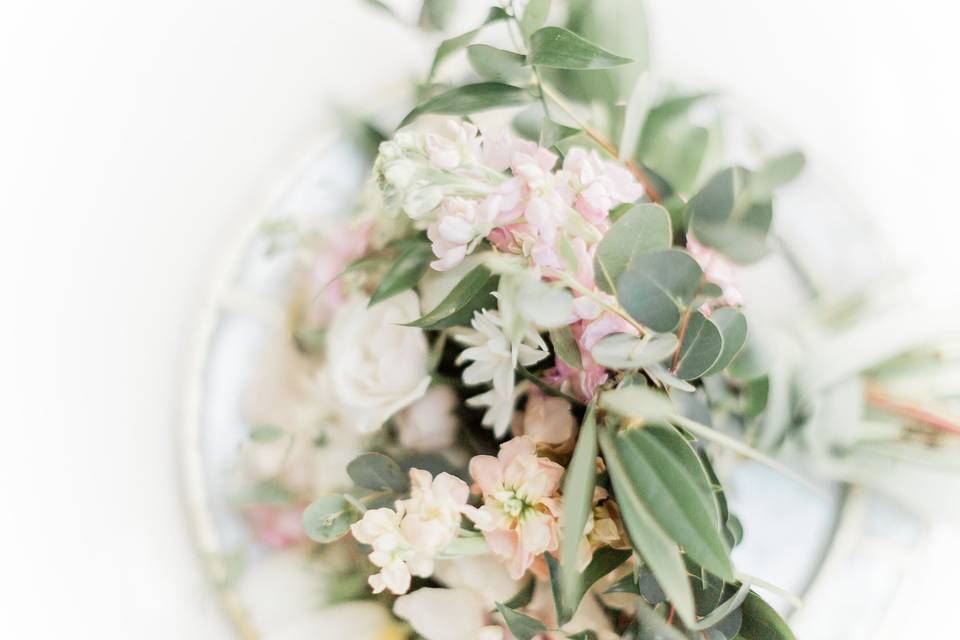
x: 879, y: 398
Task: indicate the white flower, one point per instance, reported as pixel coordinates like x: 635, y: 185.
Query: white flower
x: 429, y: 424
x: 392, y: 553
x: 494, y: 359
x: 449, y: 153
x: 444, y: 614
x: 377, y: 367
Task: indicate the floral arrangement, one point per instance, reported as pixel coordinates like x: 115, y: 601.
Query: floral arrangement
x: 523, y: 353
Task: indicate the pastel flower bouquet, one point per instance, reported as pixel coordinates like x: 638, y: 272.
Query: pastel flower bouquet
x: 523, y: 354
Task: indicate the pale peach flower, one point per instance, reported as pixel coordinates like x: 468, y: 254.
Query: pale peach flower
x: 520, y: 503
x: 546, y: 419
x: 430, y: 424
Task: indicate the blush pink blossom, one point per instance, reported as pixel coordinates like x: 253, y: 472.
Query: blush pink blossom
x: 342, y: 245
x: 277, y: 526
x: 719, y: 270
x: 461, y: 224
x: 520, y: 502
x: 598, y: 185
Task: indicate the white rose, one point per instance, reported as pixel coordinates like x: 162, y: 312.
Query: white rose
x: 377, y: 367
x: 429, y: 424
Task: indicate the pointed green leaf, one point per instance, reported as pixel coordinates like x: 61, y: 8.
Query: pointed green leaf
x: 658, y: 551
x: 677, y: 492
x: 727, y: 216
x: 471, y: 98
x: 700, y: 348
x: 656, y: 287
x: 496, y: 64
x: 777, y: 172
x: 642, y: 229
x: 534, y: 16
x: 405, y: 273
x: 733, y: 328
x: 450, y: 45
x: 565, y: 346
x: 578, y: 484
x: 521, y: 625
x: 637, y: 402
x: 563, y: 49
x: 471, y: 294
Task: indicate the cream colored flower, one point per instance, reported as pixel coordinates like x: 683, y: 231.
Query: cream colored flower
x: 429, y: 424
x: 494, y: 359
x: 377, y: 366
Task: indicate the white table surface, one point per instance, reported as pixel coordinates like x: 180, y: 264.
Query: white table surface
x: 133, y: 136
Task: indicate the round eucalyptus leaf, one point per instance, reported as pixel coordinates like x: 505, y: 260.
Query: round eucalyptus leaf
x: 377, y: 472
x: 656, y: 287
x: 733, y: 328
x: 328, y: 518
x: 700, y: 348
x: 642, y: 229
x: 627, y: 351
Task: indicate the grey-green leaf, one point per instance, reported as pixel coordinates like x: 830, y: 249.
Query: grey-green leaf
x: 405, y: 273
x: 578, y: 485
x: 521, y: 625
x: 450, y: 45
x: 469, y: 295
x: 676, y: 490
x: 656, y: 287
x: 471, y: 98
x: 534, y: 16
x: 496, y: 64
x: 378, y: 472
x: 563, y: 49
x: 733, y: 328
x: 642, y: 229
x: 776, y: 172
x: 700, y: 348
x: 627, y: 351
x: 727, y: 216
x: 328, y: 518
x: 658, y: 551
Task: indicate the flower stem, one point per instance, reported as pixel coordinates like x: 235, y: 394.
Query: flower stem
x: 881, y: 399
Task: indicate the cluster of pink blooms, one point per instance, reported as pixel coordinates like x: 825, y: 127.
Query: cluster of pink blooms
x: 464, y: 188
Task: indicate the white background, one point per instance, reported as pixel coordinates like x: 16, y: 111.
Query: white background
x: 134, y: 135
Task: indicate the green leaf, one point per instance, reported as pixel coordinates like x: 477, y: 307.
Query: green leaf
x: 266, y: 433
x: 583, y: 635
x: 563, y: 49
x: 578, y: 484
x: 733, y: 328
x: 434, y: 14
x: 449, y: 46
x: 676, y: 493
x: 777, y: 172
x: 657, y: 287
x: 329, y: 518
x: 522, y: 626
x: 658, y: 551
x: 271, y: 491
x: 604, y: 561
x: 471, y: 98
x: 552, y: 133
x: 761, y: 622
x: 534, y: 16
x: 755, y: 395
x: 642, y: 229
x: 565, y: 346
x: 700, y: 348
x: 405, y: 273
x: 378, y: 472
x: 627, y: 351
x: 496, y: 64
x: 637, y: 402
x: 725, y: 215
x: 523, y: 597
x: 471, y: 294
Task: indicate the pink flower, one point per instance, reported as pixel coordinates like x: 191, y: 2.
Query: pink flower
x: 598, y: 185
x: 460, y: 226
x: 405, y: 541
x: 520, y: 503
x: 547, y: 419
x: 325, y: 289
x: 276, y: 526
x: 719, y: 270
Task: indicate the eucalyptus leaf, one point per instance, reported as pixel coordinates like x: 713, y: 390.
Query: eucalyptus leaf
x: 776, y: 172
x: 578, y: 484
x: 378, y: 472
x: 700, y: 348
x: 656, y: 287
x: 405, y: 273
x: 673, y: 491
x: 329, y: 518
x: 521, y: 625
x: 637, y: 402
x: 496, y: 64
x: 756, y: 392
x: 761, y: 622
x: 552, y: 132
x: 469, y: 295
x: 563, y: 49
x: 642, y: 229
x: 658, y: 551
x: 627, y: 351
x: 471, y: 98
x: 266, y: 433
x: 534, y: 16
x: 451, y: 45
x: 565, y: 346
x: 725, y: 215
x: 733, y: 328
x: 522, y: 597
